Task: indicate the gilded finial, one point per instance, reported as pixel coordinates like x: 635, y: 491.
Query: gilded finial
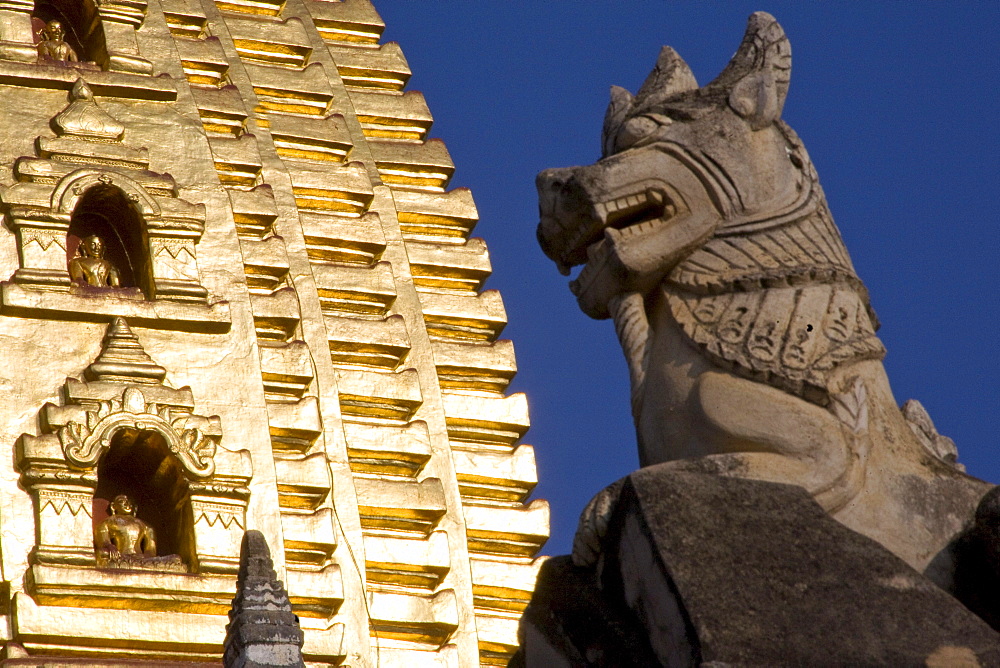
x: 123, y: 359
x: 85, y: 119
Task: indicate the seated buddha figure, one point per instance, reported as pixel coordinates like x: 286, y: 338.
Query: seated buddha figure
x: 123, y: 534
x: 53, y: 47
x: 90, y: 267
x: 125, y: 541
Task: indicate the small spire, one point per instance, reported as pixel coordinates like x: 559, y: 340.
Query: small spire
x: 123, y: 360
x: 85, y: 119
x: 263, y: 632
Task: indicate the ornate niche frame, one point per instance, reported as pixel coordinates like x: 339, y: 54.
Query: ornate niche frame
x: 89, y: 156
x: 122, y: 392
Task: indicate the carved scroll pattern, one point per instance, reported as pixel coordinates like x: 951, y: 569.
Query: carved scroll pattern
x: 83, y: 444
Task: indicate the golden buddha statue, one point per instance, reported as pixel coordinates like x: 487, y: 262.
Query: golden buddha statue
x: 53, y: 47
x: 124, y: 534
x: 90, y: 267
x: 125, y: 541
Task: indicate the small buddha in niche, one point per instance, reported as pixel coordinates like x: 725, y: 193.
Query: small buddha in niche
x: 53, y: 47
x: 90, y: 267
x: 124, y: 534
x: 125, y: 541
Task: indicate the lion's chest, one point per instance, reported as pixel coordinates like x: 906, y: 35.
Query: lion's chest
x: 792, y: 338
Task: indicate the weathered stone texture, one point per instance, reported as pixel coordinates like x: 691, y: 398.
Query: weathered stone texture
x: 704, y: 234
x: 262, y: 631
x: 791, y: 513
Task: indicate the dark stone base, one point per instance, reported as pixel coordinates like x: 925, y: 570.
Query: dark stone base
x: 700, y: 569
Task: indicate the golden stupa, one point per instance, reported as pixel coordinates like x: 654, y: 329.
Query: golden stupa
x: 237, y: 295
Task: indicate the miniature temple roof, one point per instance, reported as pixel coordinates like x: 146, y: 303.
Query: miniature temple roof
x: 85, y: 119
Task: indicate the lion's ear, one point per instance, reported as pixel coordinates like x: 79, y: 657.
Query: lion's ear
x: 618, y: 108
x: 755, y: 98
x: 758, y: 75
x: 671, y: 76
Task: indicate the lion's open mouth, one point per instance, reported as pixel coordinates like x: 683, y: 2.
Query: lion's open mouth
x: 634, y: 209
x: 623, y: 217
x: 622, y: 213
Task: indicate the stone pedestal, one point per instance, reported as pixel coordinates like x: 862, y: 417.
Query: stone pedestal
x: 699, y: 569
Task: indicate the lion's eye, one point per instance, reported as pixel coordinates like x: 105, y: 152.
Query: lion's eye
x: 634, y: 129
x: 638, y: 128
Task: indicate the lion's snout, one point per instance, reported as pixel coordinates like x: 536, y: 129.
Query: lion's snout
x: 565, y: 209
x: 557, y: 191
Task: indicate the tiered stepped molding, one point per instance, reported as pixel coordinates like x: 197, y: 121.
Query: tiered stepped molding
x: 299, y: 268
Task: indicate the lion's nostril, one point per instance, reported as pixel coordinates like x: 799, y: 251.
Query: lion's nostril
x: 548, y: 179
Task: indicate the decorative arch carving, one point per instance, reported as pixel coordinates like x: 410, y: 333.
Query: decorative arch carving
x: 84, y: 443
x: 72, y: 187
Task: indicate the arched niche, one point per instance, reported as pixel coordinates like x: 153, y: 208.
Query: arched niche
x: 140, y: 465
x: 80, y: 22
x: 105, y: 211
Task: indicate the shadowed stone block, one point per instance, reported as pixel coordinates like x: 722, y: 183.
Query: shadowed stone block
x: 705, y: 569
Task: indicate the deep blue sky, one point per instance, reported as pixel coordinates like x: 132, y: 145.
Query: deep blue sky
x: 897, y: 104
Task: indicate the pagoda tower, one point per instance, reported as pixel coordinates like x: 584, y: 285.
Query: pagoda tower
x: 236, y: 294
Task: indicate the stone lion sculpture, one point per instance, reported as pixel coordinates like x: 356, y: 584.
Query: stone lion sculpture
x: 704, y: 234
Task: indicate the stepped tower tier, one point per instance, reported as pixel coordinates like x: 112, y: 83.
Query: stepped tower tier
x: 236, y: 293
